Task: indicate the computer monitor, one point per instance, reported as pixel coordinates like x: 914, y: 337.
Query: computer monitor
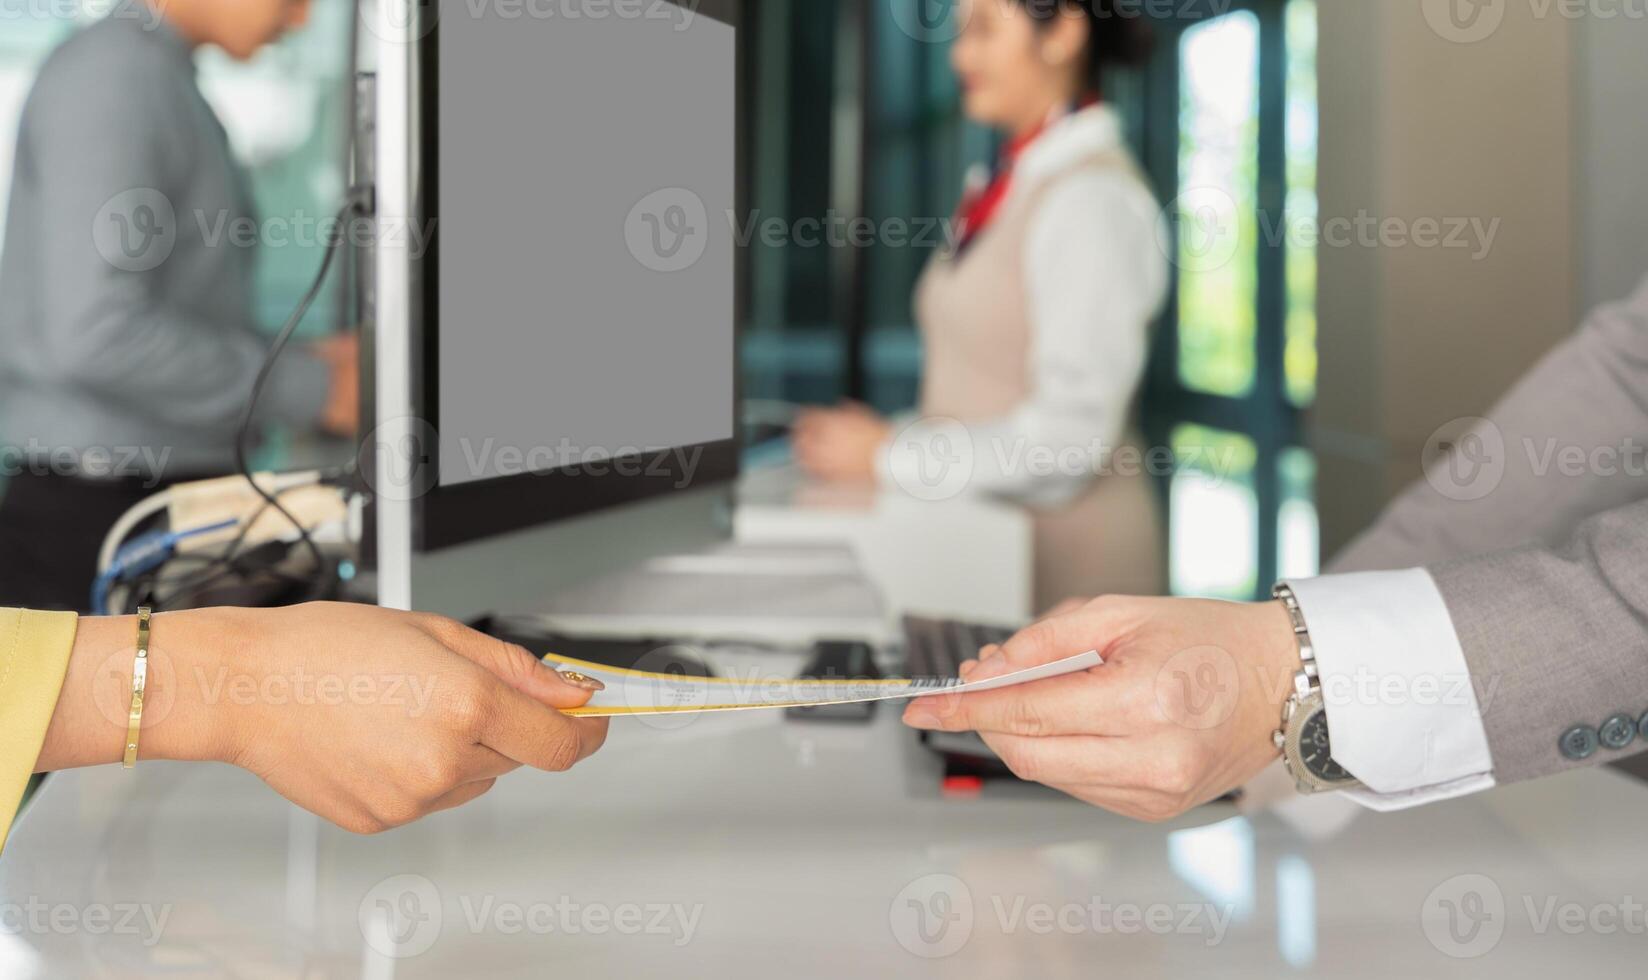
x: 557, y: 291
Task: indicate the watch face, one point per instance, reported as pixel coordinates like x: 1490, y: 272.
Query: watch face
x: 1315, y: 751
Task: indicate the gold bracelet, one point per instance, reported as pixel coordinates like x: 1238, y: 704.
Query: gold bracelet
x: 140, y: 678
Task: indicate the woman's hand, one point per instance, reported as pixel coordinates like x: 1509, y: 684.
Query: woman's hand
x: 840, y: 444
x: 1181, y: 712
x: 369, y: 718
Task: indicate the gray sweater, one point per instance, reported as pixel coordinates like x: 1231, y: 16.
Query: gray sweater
x: 126, y: 321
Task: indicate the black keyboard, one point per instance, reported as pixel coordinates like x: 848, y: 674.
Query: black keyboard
x: 656, y: 654
x: 937, y: 647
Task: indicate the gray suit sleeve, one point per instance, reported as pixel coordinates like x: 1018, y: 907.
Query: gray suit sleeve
x: 1556, y: 632
x: 1565, y: 443
x: 111, y: 331
x: 1556, y: 637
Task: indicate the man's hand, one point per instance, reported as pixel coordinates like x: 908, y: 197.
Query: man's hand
x: 840, y: 444
x: 1181, y: 712
x: 370, y: 718
x: 341, y: 414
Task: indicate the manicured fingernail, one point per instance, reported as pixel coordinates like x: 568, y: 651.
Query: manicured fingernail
x: 990, y: 652
x: 583, y: 681
x: 967, y: 667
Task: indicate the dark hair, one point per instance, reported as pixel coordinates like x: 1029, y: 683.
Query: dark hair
x: 1116, y: 38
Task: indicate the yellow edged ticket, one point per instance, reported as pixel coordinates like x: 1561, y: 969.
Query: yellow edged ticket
x: 636, y: 692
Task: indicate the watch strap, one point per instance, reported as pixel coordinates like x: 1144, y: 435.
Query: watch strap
x: 1307, y: 688
x: 1307, y: 679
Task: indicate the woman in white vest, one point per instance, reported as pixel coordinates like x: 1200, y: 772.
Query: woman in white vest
x: 1036, y: 320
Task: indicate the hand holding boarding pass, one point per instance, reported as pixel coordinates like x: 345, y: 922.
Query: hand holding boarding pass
x: 629, y: 692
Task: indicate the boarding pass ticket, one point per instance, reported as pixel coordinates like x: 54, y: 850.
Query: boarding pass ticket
x: 634, y: 692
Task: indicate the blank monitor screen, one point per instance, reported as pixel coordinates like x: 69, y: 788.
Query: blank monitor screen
x: 587, y: 172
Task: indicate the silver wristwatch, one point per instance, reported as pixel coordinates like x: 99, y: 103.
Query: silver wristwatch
x: 1303, y: 738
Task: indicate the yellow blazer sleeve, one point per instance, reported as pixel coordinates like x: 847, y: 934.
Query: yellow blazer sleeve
x: 34, y: 656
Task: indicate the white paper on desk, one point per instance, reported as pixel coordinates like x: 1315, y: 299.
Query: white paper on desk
x: 631, y: 692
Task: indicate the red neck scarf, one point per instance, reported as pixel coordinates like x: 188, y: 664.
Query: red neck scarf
x: 980, y: 205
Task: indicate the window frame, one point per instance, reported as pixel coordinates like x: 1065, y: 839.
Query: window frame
x: 1265, y: 415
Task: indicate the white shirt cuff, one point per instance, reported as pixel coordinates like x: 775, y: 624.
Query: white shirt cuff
x: 1402, y: 706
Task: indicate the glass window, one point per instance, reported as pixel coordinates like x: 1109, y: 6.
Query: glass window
x: 1242, y: 340
x: 844, y: 109
x: 1302, y: 209
x: 918, y: 144
x: 1219, y: 199
x: 1215, y: 530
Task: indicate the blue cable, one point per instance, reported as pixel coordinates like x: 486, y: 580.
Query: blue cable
x: 143, y: 554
